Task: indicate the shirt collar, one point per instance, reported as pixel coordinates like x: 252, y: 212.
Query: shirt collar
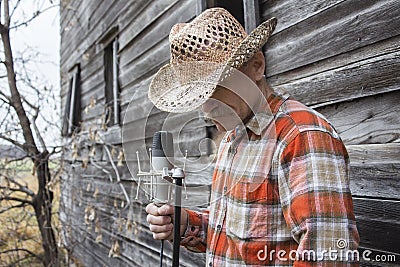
x: 260, y: 121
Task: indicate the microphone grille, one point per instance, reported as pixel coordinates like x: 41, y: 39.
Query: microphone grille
x: 163, y: 144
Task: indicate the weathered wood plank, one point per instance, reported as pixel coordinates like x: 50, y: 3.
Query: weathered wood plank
x: 361, y: 155
x: 103, y: 18
x: 360, y: 79
x: 368, y: 120
x: 386, y: 46
x: 375, y: 180
x: 145, y: 21
x: 378, y: 223
x: 296, y: 46
x: 136, y: 92
x: 251, y: 14
x: 70, y: 12
x: 191, y: 141
x: 131, y: 11
x: 375, y: 170
x: 91, y: 63
x: 136, y: 247
x: 146, y: 65
x: 289, y: 12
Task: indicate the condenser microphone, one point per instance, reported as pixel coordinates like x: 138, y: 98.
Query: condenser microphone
x: 162, y: 157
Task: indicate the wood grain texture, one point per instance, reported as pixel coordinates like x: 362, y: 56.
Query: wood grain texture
x: 289, y: 12
x: 368, y: 120
x: 366, y: 77
x: 360, y: 23
x: 137, y: 246
x: 361, y: 155
x: 340, y: 56
x: 375, y: 170
x: 376, y: 180
x: 145, y: 20
x: 386, y: 46
x: 378, y: 222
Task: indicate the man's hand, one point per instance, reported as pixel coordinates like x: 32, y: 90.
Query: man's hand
x: 161, y: 221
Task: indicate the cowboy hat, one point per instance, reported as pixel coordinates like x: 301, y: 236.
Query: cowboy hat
x: 202, y: 53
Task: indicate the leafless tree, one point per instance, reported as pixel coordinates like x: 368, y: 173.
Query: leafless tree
x: 21, y: 106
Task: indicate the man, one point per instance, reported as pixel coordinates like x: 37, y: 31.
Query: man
x: 280, y: 189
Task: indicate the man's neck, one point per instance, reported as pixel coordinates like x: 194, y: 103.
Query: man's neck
x: 265, y: 92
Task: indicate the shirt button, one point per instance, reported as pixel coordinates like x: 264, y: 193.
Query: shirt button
x: 210, y: 264
x: 219, y: 227
x: 225, y: 189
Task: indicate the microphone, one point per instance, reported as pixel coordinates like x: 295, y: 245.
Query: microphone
x: 162, y: 156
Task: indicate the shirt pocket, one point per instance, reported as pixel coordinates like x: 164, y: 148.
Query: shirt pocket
x: 248, y: 211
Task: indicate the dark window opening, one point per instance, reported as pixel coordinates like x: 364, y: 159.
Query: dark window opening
x: 111, y: 90
x: 72, y: 112
x: 235, y: 7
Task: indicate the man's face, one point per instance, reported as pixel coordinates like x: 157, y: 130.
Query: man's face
x: 226, y: 109
x: 233, y: 101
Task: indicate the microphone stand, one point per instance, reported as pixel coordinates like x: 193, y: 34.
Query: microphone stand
x: 178, y: 175
x: 161, y: 252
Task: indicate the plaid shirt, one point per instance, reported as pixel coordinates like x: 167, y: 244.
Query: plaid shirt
x: 280, y: 194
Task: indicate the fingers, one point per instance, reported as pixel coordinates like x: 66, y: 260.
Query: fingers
x: 164, y: 210
x: 162, y: 232
x: 160, y: 220
x: 152, y: 209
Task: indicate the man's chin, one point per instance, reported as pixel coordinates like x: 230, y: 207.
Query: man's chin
x: 220, y: 128
x: 224, y: 127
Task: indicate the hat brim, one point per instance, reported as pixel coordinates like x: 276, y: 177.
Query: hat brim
x: 186, y: 86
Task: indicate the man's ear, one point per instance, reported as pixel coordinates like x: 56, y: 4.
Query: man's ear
x: 258, y: 65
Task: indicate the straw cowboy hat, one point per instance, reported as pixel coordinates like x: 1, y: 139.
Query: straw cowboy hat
x: 203, y: 52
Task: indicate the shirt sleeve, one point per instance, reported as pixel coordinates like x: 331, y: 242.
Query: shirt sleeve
x: 195, y: 237
x: 316, y: 200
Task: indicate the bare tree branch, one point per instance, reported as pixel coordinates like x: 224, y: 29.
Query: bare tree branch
x: 4, y: 210
x: 6, y: 14
x: 17, y: 199
x: 8, y: 98
x: 20, y: 115
x: 15, y: 94
x: 21, y: 249
x: 33, y: 122
x: 17, y: 159
x: 12, y: 141
x: 15, y: 8
x: 23, y: 188
x: 35, y: 15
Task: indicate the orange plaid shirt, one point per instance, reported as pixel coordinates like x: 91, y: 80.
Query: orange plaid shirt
x: 280, y: 194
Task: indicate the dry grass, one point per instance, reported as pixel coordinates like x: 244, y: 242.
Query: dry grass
x: 18, y: 227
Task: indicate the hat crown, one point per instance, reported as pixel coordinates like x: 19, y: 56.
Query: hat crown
x: 211, y: 37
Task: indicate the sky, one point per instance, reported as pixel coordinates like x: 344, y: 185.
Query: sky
x: 41, y: 35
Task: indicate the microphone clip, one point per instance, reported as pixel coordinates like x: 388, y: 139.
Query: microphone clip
x: 150, y: 179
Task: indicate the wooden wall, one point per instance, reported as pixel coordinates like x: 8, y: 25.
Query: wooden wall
x: 94, y: 210
x: 343, y: 59
x: 340, y: 57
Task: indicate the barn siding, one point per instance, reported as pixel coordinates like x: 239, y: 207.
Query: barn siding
x: 342, y: 58
x: 90, y: 182
x: 339, y: 56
